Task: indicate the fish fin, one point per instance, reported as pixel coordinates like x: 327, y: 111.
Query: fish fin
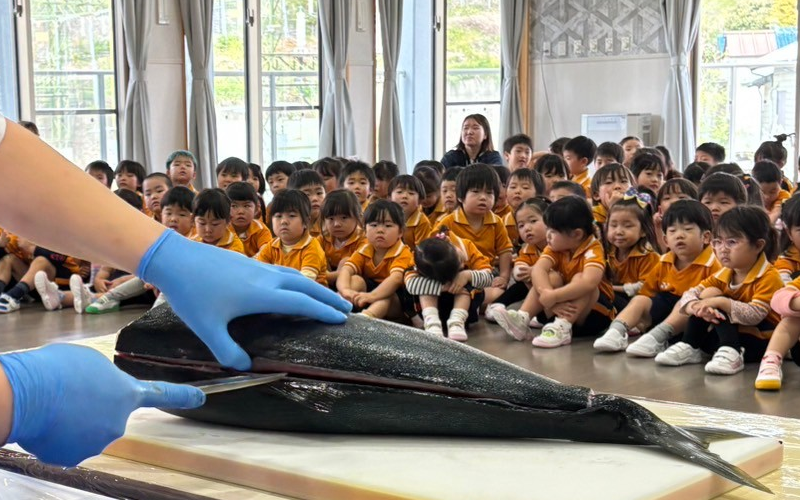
x: 710, y: 434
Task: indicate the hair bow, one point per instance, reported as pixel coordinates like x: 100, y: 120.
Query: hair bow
x: 643, y: 199
x: 441, y: 236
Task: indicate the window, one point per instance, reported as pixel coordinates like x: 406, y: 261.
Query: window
x: 230, y: 100
x: 747, y: 76
x: 74, y: 99
x: 8, y: 77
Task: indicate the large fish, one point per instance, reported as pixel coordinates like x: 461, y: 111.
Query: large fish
x: 374, y: 377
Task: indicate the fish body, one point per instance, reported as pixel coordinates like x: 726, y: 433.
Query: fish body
x: 373, y: 377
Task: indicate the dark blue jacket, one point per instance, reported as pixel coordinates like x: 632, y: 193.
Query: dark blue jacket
x: 459, y: 158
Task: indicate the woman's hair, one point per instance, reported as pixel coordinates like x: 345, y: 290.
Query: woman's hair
x: 255, y: 172
x: 695, y: 171
x: 477, y: 176
x: 532, y: 176
x: 688, y: 212
x: 538, y: 204
x: 379, y: 209
x: 429, y: 177
x: 291, y: 200
x: 233, y: 165
x: 570, y: 213
x: 132, y: 167
x: 242, y: 191
x: 436, y: 258
x: 130, y: 197
x: 750, y: 222
x: 613, y: 171
x: 790, y: 215
x: 643, y: 211
x: 409, y: 182
x: 181, y: 196
x: 213, y: 201
x: 773, y: 150
x: 487, y: 144
x: 551, y: 164
x: 436, y: 165
x: 341, y: 202
x: 721, y: 182
x: 328, y: 167
x: 676, y: 186
x: 644, y: 160
x: 101, y: 166
x: 302, y: 178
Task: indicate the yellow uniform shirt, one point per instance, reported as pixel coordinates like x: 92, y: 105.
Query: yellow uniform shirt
x: 334, y: 252
x: 789, y: 261
x: 511, y: 228
x: 600, y: 214
x: 502, y: 212
x: 365, y: 205
x: 417, y: 229
x: 438, y: 211
x: 229, y: 241
x: 761, y: 282
x: 783, y: 195
x: 306, y: 256
x: 256, y: 236
x: 528, y: 255
x: 316, y: 227
x: 491, y: 238
x: 398, y: 258
x: 665, y: 277
x: 635, y: 268
x: 585, y: 180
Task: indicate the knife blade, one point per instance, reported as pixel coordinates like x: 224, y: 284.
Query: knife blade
x: 227, y: 384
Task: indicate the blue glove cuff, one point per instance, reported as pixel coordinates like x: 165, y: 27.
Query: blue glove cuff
x: 24, y: 425
x: 144, y: 264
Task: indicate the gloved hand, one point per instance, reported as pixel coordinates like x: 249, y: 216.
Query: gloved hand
x: 70, y: 401
x: 208, y: 287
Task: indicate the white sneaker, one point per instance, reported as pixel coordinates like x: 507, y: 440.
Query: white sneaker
x: 48, y: 291
x: 490, y: 310
x: 726, y: 361
x: 680, y: 354
x: 434, y: 327
x: 456, y: 331
x: 534, y: 323
x: 554, y: 334
x: 770, y: 374
x: 104, y: 304
x: 8, y: 304
x: 612, y: 341
x: 82, y: 297
x: 515, y: 323
x: 646, y: 346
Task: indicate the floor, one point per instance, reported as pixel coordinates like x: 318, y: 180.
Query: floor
x: 575, y: 364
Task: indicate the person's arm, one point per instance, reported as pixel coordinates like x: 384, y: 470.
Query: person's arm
x: 588, y: 281
x: 386, y: 288
x: 540, y: 275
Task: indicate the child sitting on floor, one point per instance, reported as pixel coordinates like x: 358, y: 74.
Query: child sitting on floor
x: 253, y: 233
x: 343, y: 234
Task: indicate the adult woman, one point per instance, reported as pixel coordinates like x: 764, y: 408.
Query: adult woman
x: 475, y: 145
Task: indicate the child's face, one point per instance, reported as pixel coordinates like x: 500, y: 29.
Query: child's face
x: 242, y: 214
x: 178, y: 219
x: 359, y: 185
x: 316, y: 195
x: 253, y: 181
x: 382, y: 234
x: 718, y: 203
x: 449, y: 199
x: 100, y: 176
x: 502, y: 198
x: 181, y: 171
x: 669, y: 198
x: 602, y: 161
x: 518, y: 157
x: 624, y: 229
x: 225, y: 179
x: 381, y: 189
x: 735, y: 251
x: 551, y: 178
x: 651, y: 179
x: 686, y: 240
x: 277, y: 182
x: 770, y: 192
x: 472, y: 134
x: 794, y: 235
x: 330, y: 181
x: 154, y: 189
x: 210, y: 228
x: 340, y: 226
x: 430, y: 200
x: 562, y: 241
x: 530, y: 225
x: 127, y: 180
x: 478, y: 201
x: 630, y: 147
x: 575, y: 164
x: 407, y: 199
x: 518, y: 191
x: 612, y: 189
x: 288, y: 226
x: 705, y: 157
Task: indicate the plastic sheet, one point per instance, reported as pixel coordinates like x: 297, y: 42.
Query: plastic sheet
x: 21, y: 487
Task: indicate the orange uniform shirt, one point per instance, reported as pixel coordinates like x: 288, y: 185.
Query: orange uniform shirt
x: 491, y: 238
x: 511, y: 228
x: 789, y: 261
x: 334, y: 252
x: 316, y: 227
x: 418, y: 227
x: 635, y: 268
x: 589, y: 254
x: 783, y: 195
x: 600, y: 214
x: 229, y: 241
x: 585, y: 180
x: 528, y: 255
x: 504, y: 211
x: 306, y: 256
x: 398, y: 258
x: 665, y: 277
x: 438, y: 211
x: 256, y: 236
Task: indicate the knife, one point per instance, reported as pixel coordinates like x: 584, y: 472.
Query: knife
x: 227, y: 384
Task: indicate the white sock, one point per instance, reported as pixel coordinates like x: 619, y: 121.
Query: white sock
x: 662, y: 332
x: 430, y: 317
x: 457, y: 317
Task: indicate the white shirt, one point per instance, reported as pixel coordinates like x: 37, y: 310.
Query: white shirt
x: 2, y: 127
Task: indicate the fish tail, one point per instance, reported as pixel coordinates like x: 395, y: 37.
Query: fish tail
x: 710, y: 434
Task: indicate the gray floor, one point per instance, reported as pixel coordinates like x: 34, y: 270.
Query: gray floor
x: 575, y: 364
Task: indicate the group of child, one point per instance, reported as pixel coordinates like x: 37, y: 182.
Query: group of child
x: 693, y: 266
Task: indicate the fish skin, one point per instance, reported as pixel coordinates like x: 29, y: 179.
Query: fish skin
x: 503, y: 399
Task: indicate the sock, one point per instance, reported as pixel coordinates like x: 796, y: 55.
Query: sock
x: 430, y: 317
x: 457, y: 317
x: 19, y: 291
x: 619, y: 326
x: 131, y: 288
x: 3, y: 286
x: 662, y: 332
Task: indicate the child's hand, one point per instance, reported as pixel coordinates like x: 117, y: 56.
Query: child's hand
x: 363, y: 299
x: 657, y: 218
x: 500, y: 282
x: 710, y: 314
x: 566, y: 310
x: 458, y: 284
x: 348, y: 295
x: 547, y: 298
x: 522, y: 272
x: 101, y: 285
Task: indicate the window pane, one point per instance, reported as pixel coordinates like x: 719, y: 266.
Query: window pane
x: 229, y: 79
x: 747, y: 77
x: 289, y: 80
x: 8, y: 76
x: 73, y: 73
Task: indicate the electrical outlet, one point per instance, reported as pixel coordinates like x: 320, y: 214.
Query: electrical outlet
x: 625, y: 44
x: 593, y: 46
x: 609, y: 44
x: 577, y: 47
x: 561, y: 49
x: 546, y: 48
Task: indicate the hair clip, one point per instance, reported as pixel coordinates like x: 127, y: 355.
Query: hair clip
x: 642, y: 199
x: 441, y: 236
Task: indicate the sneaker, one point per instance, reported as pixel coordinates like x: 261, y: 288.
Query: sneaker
x: 103, y: 305
x: 8, y: 304
x: 534, y: 323
x: 82, y: 297
x: 48, y: 291
x: 611, y: 341
x: 456, y: 331
x: 490, y: 310
x: 769, y: 373
x: 515, y: 323
x: 679, y: 354
x: 433, y: 326
x: 646, y: 347
x: 554, y: 334
x: 726, y: 361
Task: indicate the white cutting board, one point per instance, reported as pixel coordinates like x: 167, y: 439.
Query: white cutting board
x: 313, y: 466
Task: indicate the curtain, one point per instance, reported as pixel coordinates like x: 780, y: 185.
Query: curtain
x: 681, y: 24
x: 337, y: 133
x: 137, y: 22
x: 512, y: 23
x: 390, y: 133
x: 197, y: 17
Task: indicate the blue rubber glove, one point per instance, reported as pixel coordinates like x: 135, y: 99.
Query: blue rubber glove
x: 70, y: 401
x: 208, y: 287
